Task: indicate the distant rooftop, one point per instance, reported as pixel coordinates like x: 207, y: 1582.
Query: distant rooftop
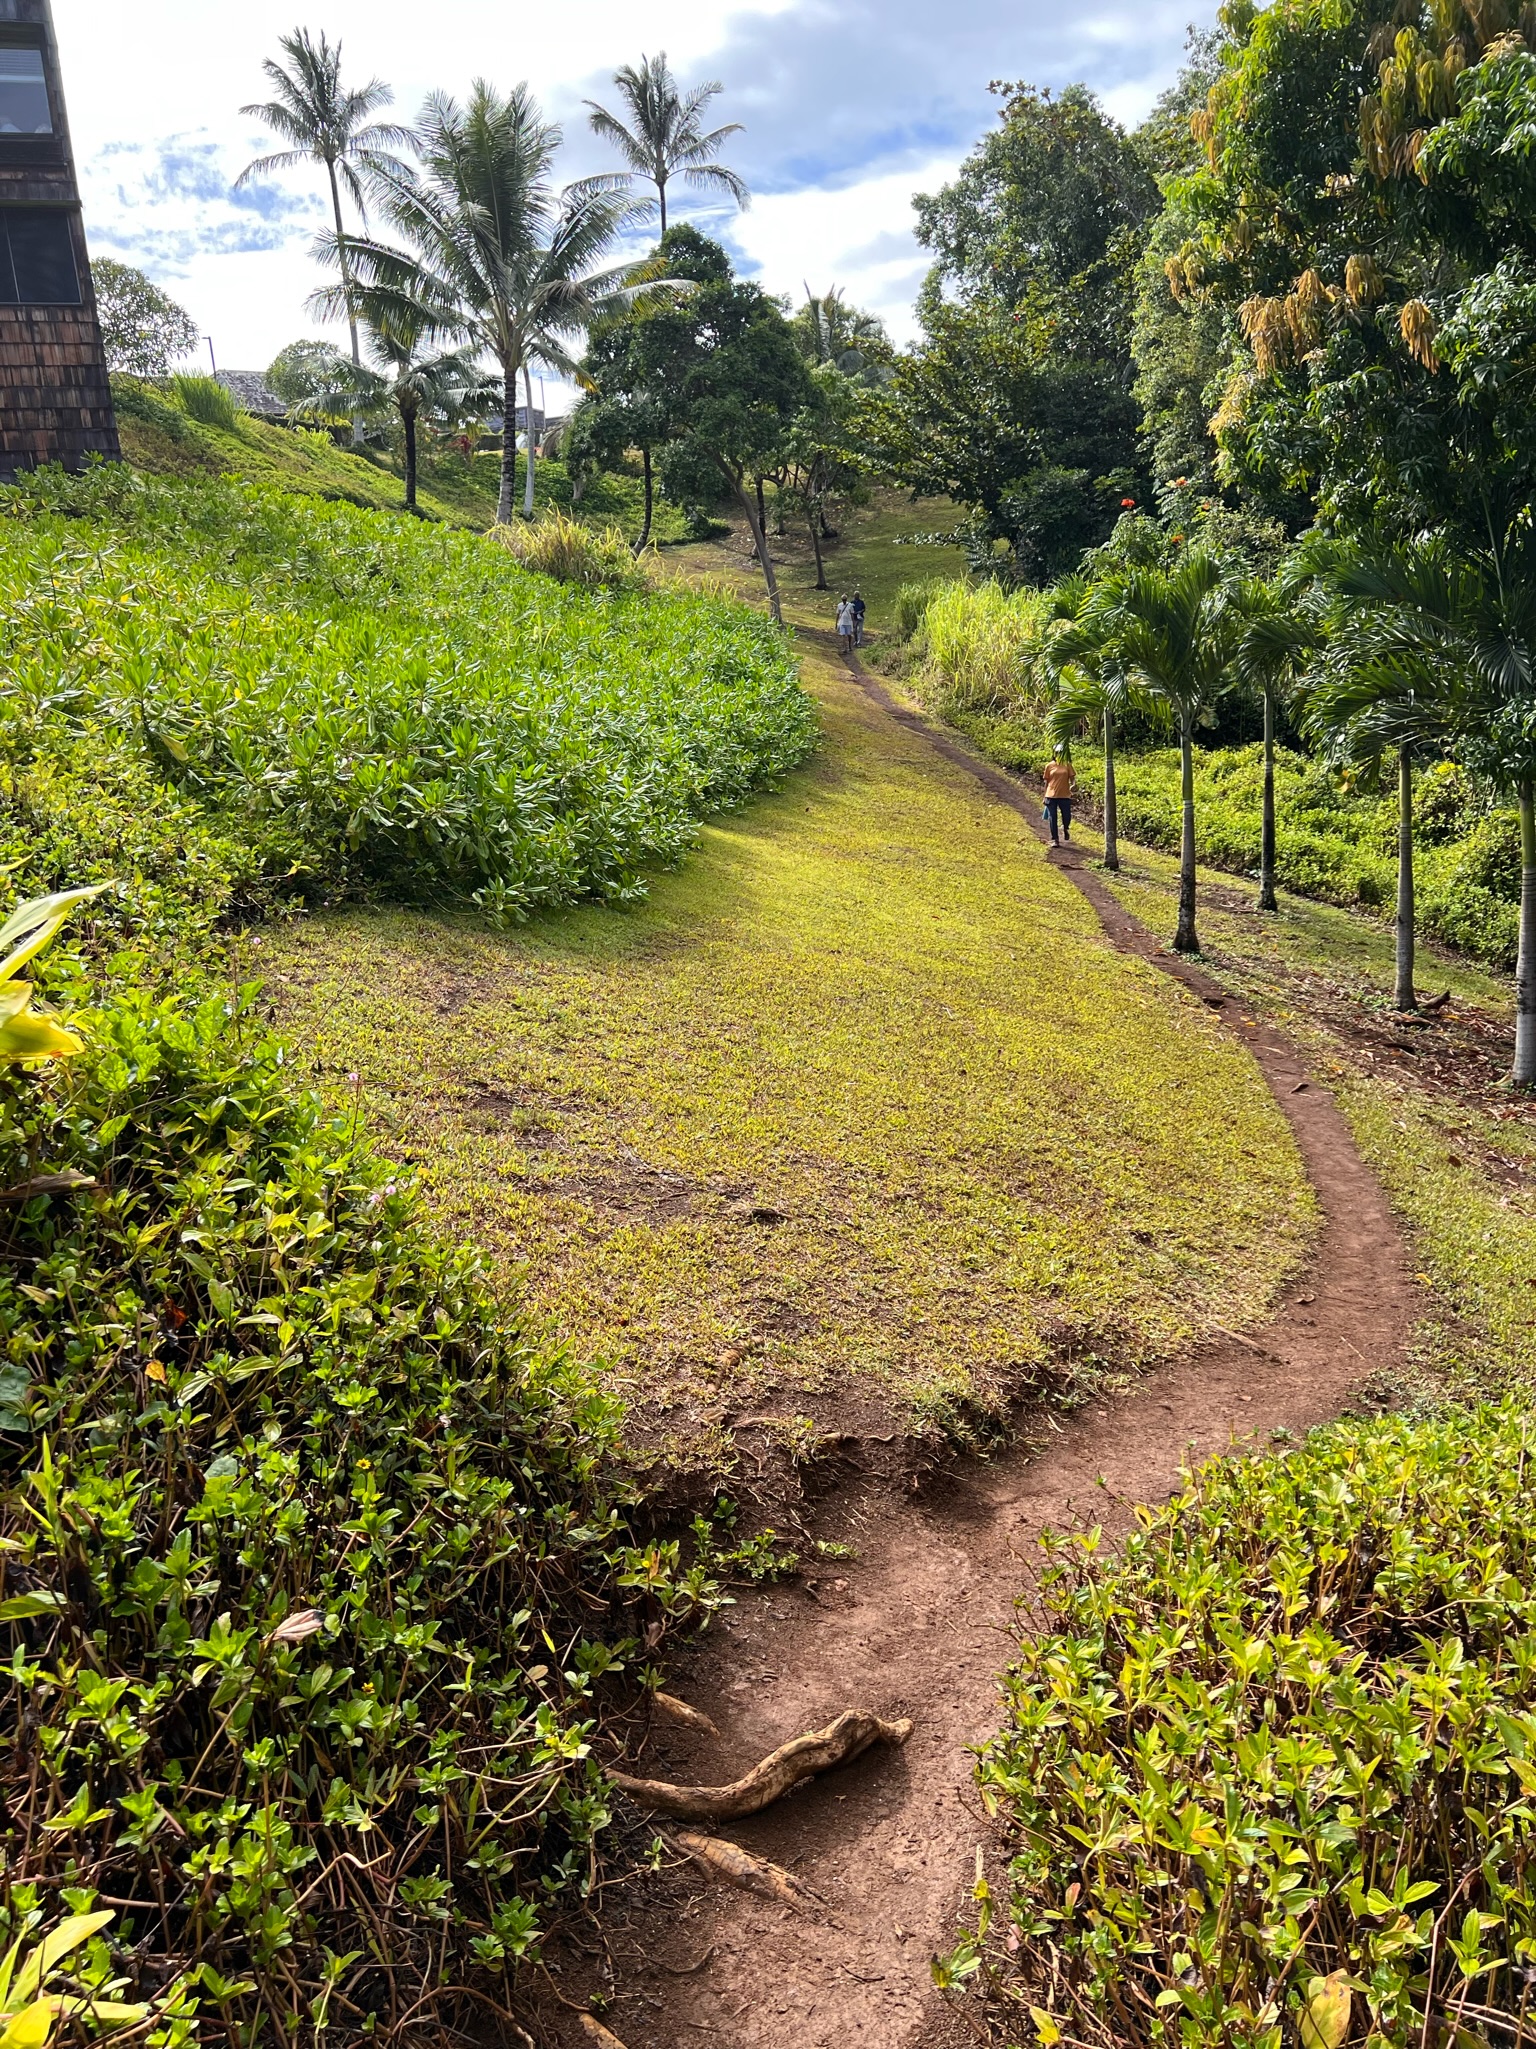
x: 251, y: 392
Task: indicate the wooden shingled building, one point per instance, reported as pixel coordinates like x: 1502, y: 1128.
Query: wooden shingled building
x: 55, y: 401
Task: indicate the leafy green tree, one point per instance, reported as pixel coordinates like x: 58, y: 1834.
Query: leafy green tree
x: 1046, y: 212
x: 497, y: 256
x: 664, y: 138
x: 1040, y: 451
x: 325, y: 122
x: 304, y: 367
x: 143, y: 329
x: 822, y: 461
x: 718, y: 374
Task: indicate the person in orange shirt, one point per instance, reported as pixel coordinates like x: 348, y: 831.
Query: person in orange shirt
x: 1060, y: 781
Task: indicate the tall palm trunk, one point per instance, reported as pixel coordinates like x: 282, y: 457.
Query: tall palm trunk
x: 1525, y: 973
x: 1403, y: 997
x: 408, y: 421
x: 759, y: 541
x: 508, y: 444
x: 532, y: 450
x: 346, y: 287
x: 1111, y: 801
x: 650, y: 501
x: 661, y: 190
x: 1267, y: 900
x: 1186, y: 939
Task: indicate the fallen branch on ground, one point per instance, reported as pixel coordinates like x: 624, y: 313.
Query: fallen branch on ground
x: 739, y: 1867
x: 846, y: 1738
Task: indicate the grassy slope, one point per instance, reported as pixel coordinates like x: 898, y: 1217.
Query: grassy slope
x: 1456, y: 1151
x: 448, y: 489
x: 866, y: 1007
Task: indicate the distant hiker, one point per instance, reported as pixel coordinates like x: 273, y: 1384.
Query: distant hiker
x: 1060, y: 781
x: 845, y: 626
x: 857, y: 608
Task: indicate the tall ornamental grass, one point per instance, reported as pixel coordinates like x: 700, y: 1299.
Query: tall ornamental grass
x: 976, y: 645
x: 1267, y: 1777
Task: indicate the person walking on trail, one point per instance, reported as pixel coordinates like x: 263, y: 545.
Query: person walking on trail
x: 844, y: 626
x: 1060, y: 781
x: 856, y: 606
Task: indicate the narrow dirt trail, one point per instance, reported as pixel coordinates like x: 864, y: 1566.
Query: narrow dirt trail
x: 921, y: 1624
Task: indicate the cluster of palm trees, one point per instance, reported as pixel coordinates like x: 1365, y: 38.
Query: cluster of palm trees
x: 1375, y: 649
x: 492, y: 262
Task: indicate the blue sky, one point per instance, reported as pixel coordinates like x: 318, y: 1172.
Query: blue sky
x: 849, y: 108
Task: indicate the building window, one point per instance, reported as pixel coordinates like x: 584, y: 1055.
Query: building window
x: 23, y: 94
x: 37, y: 258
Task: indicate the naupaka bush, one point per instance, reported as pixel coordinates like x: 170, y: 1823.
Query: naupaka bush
x: 385, y: 706
x: 1268, y: 1775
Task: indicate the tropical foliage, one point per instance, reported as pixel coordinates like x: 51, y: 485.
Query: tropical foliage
x: 1266, y: 1774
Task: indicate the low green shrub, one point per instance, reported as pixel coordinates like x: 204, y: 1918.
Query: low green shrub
x: 1281, y: 1751
x: 134, y: 398
x: 378, y: 705
x: 205, y: 400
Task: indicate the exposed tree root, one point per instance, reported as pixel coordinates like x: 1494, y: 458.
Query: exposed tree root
x: 739, y: 1867
x: 679, y: 1711
x: 846, y: 1738
x: 594, y: 2031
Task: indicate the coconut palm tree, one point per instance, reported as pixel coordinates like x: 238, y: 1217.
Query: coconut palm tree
x: 325, y: 122
x: 498, y: 257
x: 1078, y: 651
x: 829, y: 330
x: 663, y: 139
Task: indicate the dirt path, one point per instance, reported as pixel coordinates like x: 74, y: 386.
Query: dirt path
x: 920, y: 1624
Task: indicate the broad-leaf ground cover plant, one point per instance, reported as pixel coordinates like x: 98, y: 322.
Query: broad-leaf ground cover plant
x: 388, y: 708
x: 1267, y: 1775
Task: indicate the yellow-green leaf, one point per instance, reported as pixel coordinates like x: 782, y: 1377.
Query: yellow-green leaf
x: 1046, y: 2026
x: 1325, y: 2018
x: 32, y: 2028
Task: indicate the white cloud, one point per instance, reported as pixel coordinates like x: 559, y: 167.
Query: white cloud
x: 850, y: 106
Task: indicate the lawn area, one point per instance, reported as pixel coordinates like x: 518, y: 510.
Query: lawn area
x: 859, y: 1106
x: 878, y: 549
x: 1454, y: 1147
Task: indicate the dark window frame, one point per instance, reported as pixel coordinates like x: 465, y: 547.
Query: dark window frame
x: 12, y: 297
x: 34, y: 149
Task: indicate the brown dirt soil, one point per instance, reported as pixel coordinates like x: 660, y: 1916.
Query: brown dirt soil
x: 922, y: 1619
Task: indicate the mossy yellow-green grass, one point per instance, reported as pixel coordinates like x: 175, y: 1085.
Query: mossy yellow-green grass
x: 859, y: 1102
x: 1463, y: 1181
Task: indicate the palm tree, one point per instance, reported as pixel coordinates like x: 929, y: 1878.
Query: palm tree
x: 1079, y: 652
x: 402, y: 384
x: 1172, y: 635
x: 1274, y: 631
x: 829, y: 330
x: 498, y: 257
x: 663, y: 139
x: 1418, y: 659
x: 325, y: 122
